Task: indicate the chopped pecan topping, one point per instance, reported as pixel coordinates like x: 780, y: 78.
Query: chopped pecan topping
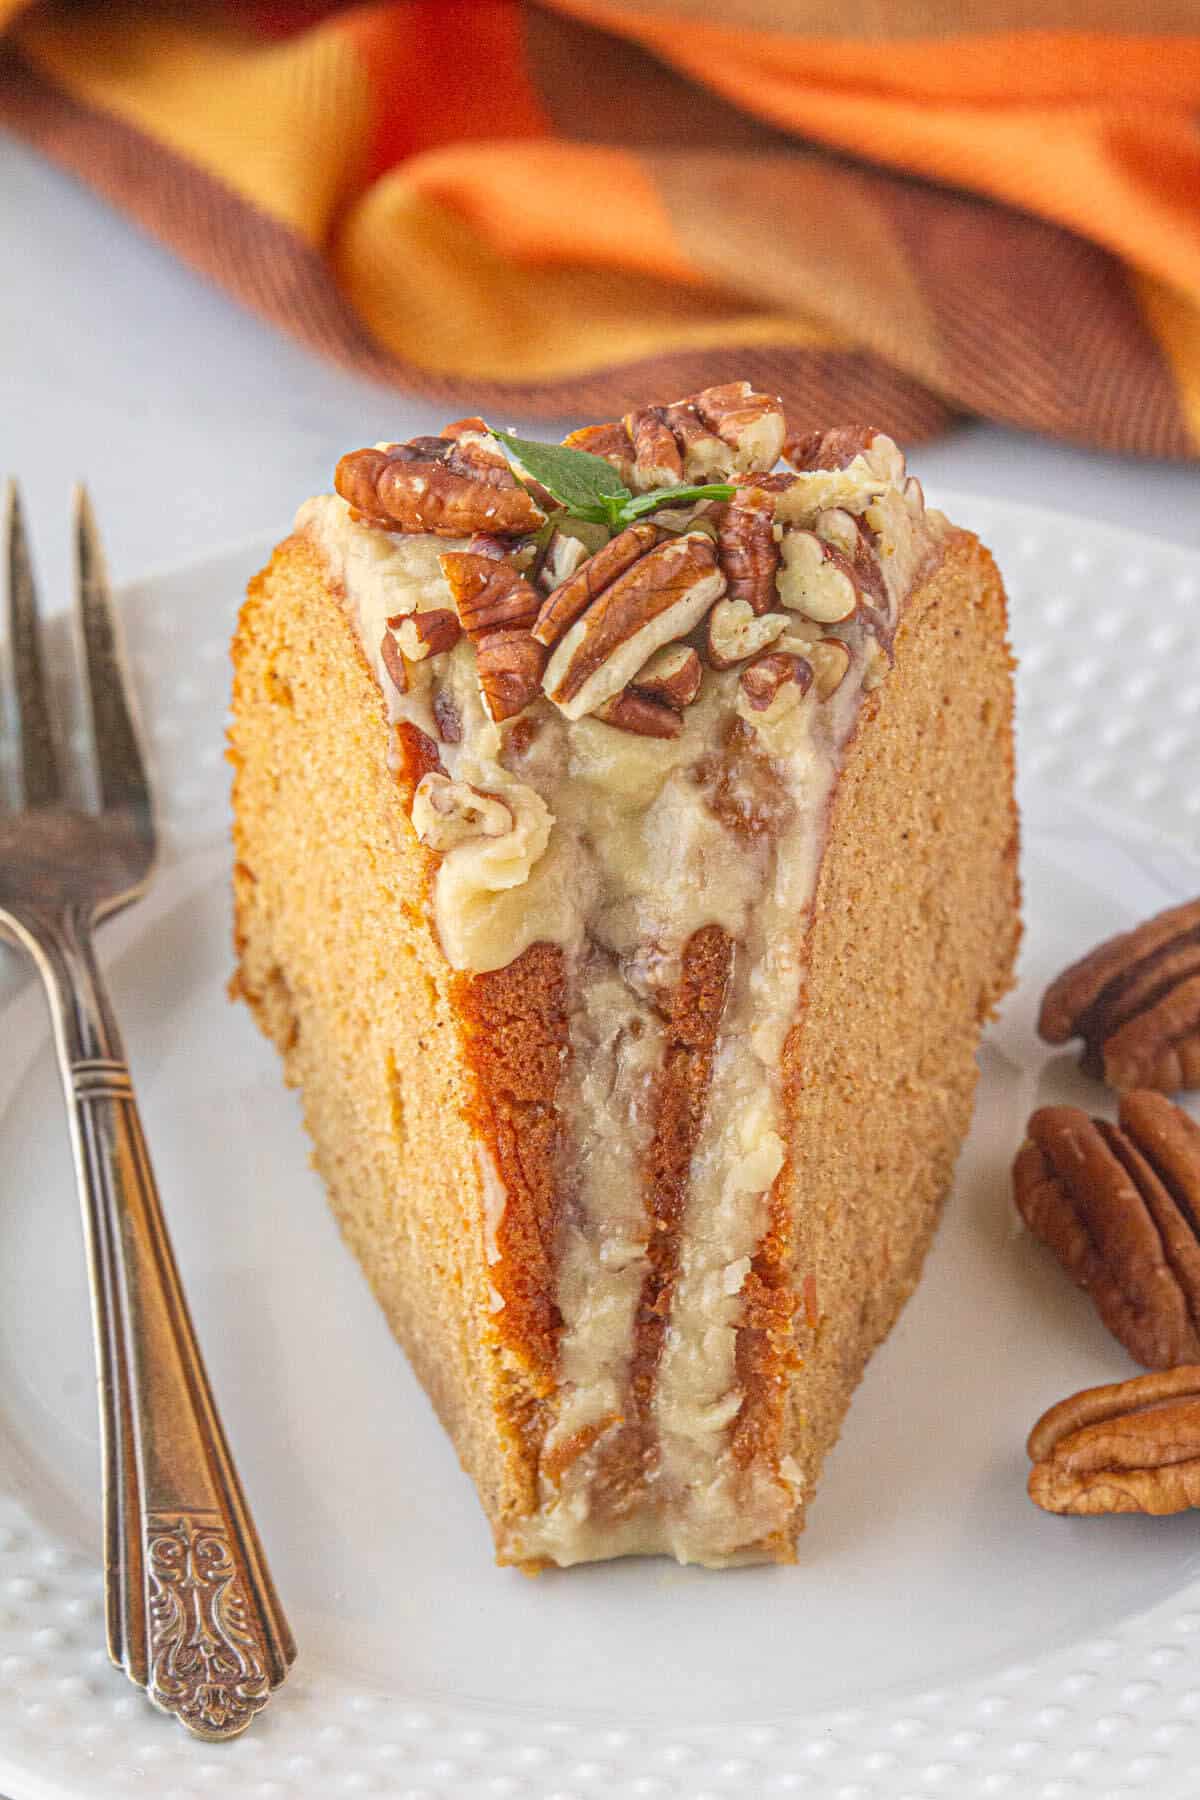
x: 746, y: 547
x: 775, y: 679
x: 1128, y: 1447
x: 446, y: 717
x: 1135, y: 1002
x: 707, y: 436
x: 672, y: 677
x: 633, y: 711
x: 488, y: 595
x: 609, y: 441
x: 735, y: 632
x: 496, y: 607
x: 451, y: 486
x: 829, y: 657
x: 837, y: 449
x: 1119, y: 1208
x: 816, y: 580
x: 570, y: 601
x: 559, y: 560
x: 743, y: 787
x: 914, y: 497
x: 424, y: 634
x: 509, y: 666
x: 657, y: 457
x: 446, y: 813
x: 655, y: 601
x: 392, y: 657
x: 460, y: 427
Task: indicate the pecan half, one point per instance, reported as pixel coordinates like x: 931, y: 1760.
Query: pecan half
x: 496, y: 608
x: 570, y: 601
x: 1128, y: 1447
x: 1119, y: 1207
x: 1135, y: 1002
x: 655, y: 601
x: 451, y: 486
x: 747, y: 549
x: 716, y: 433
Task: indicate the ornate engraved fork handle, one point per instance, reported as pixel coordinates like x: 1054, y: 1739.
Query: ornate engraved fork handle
x: 192, y: 1613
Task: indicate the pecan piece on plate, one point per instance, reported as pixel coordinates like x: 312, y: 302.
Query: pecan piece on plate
x: 1119, y: 1206
x: 1135, y: 1002
x: 451, y: 486
x: 1129, y: 1447
x: 496, y: 608
x: 655, y: 600
x: 711, y: 435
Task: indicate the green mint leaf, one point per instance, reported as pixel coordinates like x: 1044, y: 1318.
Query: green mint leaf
x: 584, y: 484
x: 674, y: 496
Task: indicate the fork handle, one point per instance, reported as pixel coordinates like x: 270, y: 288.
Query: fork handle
x: 192, y: 1613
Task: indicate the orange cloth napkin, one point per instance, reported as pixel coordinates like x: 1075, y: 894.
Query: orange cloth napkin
x: 894, y: 211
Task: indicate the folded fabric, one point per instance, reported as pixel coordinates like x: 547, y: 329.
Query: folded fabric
x: 897, y: 214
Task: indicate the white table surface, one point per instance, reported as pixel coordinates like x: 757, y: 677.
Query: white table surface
x: 197, y: 424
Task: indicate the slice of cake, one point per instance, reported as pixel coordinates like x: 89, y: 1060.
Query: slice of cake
x: 626, y: 864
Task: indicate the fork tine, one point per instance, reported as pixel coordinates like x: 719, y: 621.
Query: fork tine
x: 121, y: 772
x: 39, y: 764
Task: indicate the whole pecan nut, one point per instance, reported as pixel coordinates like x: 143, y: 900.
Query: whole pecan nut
x: 748, y: 550
x: 497, y: 607
x: 1135, y: 1002
x: 656, y: 600
x: 1129, y: 1447
x: 451, y: 486
x: 711, y: 435
x: 1120, y: 1208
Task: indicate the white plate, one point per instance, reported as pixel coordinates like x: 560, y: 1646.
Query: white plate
x: 940, y: 1636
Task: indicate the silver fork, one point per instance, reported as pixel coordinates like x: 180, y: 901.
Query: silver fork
x: 192, y: 1614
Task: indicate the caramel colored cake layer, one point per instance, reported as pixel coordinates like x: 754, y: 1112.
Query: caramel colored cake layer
x: 626, y: 901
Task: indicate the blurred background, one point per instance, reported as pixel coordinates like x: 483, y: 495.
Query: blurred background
x: 240, y: 239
